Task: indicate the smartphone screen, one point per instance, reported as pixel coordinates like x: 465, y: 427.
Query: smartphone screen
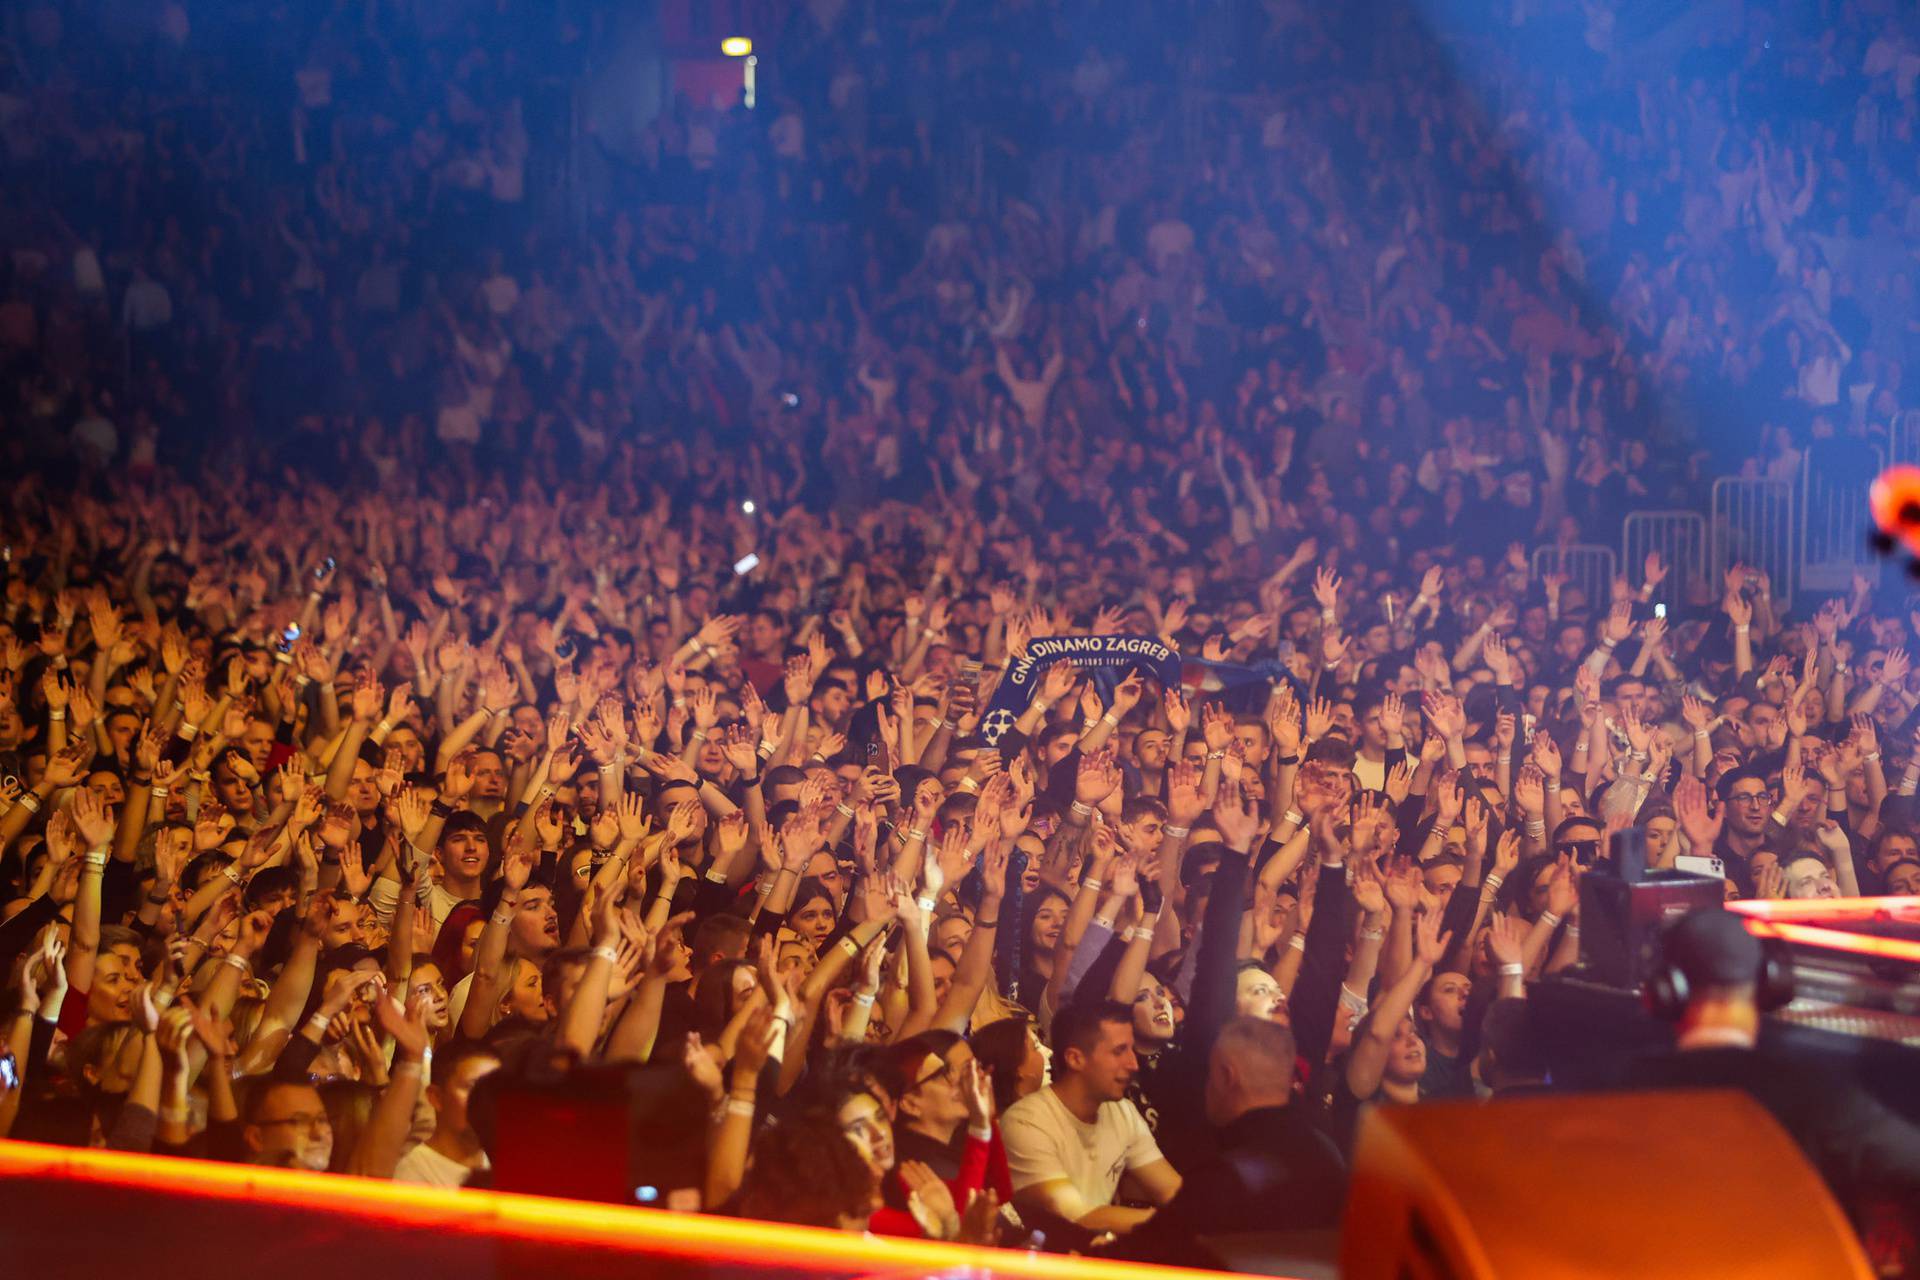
x: 746, y: 563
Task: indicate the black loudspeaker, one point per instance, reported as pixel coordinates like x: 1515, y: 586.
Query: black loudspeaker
x: 1623, y: 916
x: 622, y: 1135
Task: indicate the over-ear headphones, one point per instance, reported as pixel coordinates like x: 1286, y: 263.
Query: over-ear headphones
x: 1667, y: 991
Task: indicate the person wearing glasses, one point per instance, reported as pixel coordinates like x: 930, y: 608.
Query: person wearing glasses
x: 287, y: 1127
x: 944, y: 1119
x: 1747, y: 801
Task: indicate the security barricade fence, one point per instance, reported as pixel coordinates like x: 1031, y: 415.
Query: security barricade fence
x: 1832, y: 514
x: 1681, y: 539
x: 1587, y: 565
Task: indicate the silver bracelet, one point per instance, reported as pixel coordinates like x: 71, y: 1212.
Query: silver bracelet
x: 1551, y: 918
x: 244, y: 965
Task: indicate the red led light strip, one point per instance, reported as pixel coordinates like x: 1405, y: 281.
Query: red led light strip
x: 1781, y: 919
x: 641, y: 1231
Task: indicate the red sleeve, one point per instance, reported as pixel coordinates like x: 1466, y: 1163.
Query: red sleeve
x: 73, y: 1014
x: 975, y: 1159
x: 894, y: 1222
x: 999, y: 1176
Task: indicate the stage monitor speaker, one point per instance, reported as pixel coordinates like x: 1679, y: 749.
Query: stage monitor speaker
x: 1622, y: 920
x: 1651, y: 1185
x: 623, y: 1135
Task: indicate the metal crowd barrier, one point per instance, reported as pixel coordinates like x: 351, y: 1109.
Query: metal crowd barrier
x: 1588, y: 565
x: 1752, y: 523
x: 1681, y: 539
x: 1834, y: 476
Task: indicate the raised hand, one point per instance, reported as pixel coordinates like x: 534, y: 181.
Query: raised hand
x: 1429, y: 944
x: 1099, y: 775
x: 1237, y: 815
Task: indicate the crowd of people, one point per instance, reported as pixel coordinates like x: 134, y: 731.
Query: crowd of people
x: 444, y: 647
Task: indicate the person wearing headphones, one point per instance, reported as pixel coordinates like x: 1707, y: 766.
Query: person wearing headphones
x: 1714, y: 981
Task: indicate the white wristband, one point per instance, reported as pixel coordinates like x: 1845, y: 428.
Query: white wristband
x: 1178, y: 833
x: 605, y: 953
x: 1511, y: 970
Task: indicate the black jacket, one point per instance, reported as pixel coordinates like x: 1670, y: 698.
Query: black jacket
x: 1274, y: 1171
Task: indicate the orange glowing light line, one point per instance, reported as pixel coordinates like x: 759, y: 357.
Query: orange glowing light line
x: 1777, y: 919
x: 542, y: 1218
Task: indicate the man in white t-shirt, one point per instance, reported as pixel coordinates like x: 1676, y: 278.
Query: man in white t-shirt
x: 453, y: 1153
x: 1070, y: 1144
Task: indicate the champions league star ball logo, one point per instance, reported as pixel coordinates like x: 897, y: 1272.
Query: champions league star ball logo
x: 995, y: 726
